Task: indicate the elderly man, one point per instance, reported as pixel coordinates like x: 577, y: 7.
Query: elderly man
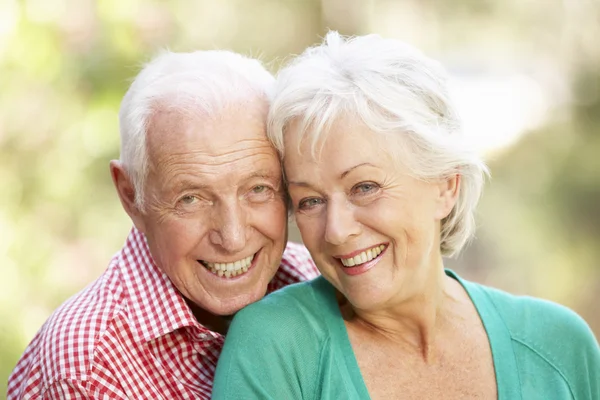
x: 204, y: 190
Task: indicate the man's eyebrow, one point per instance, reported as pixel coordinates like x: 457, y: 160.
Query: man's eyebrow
x: 262, y: 174
x: 186, y: 184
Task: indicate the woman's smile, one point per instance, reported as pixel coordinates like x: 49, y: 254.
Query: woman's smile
x: 360, y: 261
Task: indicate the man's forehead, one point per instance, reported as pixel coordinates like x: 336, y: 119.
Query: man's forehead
x: 178, y: 128
x: 199, y: 149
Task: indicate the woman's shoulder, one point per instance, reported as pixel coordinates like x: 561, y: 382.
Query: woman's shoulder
x: 546, y: 329
x: 273, y: 346
x: 550, y: 336
x: 526, y: 316
x: 300, y: 307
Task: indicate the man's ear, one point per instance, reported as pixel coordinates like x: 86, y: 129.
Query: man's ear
x: 449, y: 189
x: 126, y: 192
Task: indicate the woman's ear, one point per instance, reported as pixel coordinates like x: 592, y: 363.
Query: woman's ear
x: 126, y: 192
x: 449, y: 189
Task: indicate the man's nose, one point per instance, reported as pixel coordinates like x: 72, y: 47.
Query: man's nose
x: 341, y: 222
x: 229, y: 230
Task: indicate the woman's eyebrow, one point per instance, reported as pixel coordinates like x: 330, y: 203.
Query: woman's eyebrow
x: 346, y: 172
x: 342, y: 175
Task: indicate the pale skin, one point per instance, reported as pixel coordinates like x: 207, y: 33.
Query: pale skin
x: 213, y: 194
x: 414, y: 331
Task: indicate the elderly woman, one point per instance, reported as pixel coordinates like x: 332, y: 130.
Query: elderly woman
x: 382, y: 186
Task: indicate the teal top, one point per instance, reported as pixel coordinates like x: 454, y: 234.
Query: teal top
x: 293, y: 344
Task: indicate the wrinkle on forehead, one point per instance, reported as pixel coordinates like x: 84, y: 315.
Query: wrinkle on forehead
x: 171, y: 122
x: 234, y: 130
x: 213, y: 156
x: 207, y: 164
x: 220, y: 150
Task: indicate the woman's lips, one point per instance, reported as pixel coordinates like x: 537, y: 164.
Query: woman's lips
x: 361, y: 261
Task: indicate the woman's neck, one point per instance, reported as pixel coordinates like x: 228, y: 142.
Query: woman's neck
x: 416, y: 322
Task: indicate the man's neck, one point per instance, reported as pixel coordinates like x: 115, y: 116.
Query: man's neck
x: 215, y: 323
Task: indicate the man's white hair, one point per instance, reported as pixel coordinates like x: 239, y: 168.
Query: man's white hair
x: 196, y: 82
x: 394, y: 90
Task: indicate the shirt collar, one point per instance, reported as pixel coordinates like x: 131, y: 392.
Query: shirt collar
x: 156, y: 307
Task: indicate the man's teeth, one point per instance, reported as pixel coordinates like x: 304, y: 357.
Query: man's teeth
x: 363, y: 257
x: 230, y: 269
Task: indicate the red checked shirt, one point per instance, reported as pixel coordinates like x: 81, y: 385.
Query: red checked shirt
x: 130, y: 335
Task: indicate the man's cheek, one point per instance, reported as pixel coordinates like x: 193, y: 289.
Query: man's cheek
x: 271, y: 222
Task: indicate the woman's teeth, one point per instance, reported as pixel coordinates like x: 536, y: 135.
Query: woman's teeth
x: 230, y: 269
x: 363, y: 257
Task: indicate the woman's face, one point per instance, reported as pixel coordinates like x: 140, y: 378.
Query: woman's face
x: 372, y: 229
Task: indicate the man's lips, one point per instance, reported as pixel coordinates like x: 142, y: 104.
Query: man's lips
x: 231, y: 269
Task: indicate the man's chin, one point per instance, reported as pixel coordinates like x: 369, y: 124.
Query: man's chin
x: 231, y: 305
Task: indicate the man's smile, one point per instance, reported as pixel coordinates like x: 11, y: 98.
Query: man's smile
x: 229, y: 269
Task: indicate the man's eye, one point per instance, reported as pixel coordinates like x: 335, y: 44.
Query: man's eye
x: 260, y: 193
x: 189, y: 199
x: 261, y: 190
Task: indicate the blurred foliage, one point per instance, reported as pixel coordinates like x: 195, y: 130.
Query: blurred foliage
x: 65, y: 64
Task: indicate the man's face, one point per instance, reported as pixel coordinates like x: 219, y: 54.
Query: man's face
x: 215, y: 214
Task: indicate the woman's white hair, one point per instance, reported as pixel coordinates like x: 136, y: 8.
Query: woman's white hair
x: 394, y: 90
x: 196, y: 82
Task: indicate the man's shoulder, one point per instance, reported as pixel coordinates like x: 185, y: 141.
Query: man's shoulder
x: 296, y: 265
x: 297, y: 257
x: 84, y: 316
x: 65, y: 346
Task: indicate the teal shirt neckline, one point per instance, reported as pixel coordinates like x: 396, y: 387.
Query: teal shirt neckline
x: 505, y: 363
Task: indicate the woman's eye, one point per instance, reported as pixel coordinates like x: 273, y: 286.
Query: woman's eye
x: 365, y: 188
x: 307, y: 204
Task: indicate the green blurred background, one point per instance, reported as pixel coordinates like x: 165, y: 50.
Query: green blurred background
x: 525, y: 73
